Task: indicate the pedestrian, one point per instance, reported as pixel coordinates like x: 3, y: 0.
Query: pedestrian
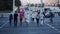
x: 10, y: 19
x: 21, y: 16
x: 33, y: 16
x: 38, y: 17
x: 15, y: 18
x: 41, y: 18
x: 27, y: 16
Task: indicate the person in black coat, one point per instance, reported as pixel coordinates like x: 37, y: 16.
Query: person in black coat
x: 15, y: 19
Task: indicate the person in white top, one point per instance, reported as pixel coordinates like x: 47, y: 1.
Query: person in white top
x: 33, y: 16
x: 27, y: 17
x: 41, y: 18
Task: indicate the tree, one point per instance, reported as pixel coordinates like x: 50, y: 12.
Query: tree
x: 6, y: 6
x: 17, y: 3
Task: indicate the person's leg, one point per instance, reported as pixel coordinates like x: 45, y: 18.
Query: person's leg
x: 42, y: 21
x: 26, y: 21
x: 37, y: 21
x: 14, y: 22
x: 51, y: 21
x: 32, y: 19
x: 21, y: 21
x: 10, y: 22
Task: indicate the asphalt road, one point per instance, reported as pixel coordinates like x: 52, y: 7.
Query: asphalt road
x: 31, y: 28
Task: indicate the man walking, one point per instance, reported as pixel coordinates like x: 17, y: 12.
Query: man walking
x: 15, y: 19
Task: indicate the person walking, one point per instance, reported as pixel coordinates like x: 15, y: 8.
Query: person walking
x: 38, y: 17
x: 21, y: 16
x: 15, y: 19
x: 10, y: 19
x: 41, y: 18
x: 33, y: 16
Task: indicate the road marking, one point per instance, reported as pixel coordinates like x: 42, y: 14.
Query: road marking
x: 53, y: 27
x: 3, y: 25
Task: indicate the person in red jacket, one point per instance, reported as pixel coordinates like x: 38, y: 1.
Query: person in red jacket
x: 21, y: 16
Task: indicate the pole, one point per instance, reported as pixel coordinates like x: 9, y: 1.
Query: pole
x: 41, y: 5
x: 13, y: 4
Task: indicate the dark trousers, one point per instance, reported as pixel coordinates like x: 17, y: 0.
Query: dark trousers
x: 37, y: 20
x: 10, y: 21
x: 32, y: 19
x: 21, y: 20
x: 15, y: 22
x: 51, y: 19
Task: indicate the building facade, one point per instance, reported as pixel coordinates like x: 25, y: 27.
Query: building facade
x: 51, y: 2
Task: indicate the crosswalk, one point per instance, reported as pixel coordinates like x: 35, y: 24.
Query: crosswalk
x: 32, y: 28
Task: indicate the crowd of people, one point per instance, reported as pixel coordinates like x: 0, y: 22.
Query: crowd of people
x: 39, y: 16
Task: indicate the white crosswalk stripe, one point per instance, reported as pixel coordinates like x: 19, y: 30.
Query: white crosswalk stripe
x: 3, y: 25
x: 53, y: 27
